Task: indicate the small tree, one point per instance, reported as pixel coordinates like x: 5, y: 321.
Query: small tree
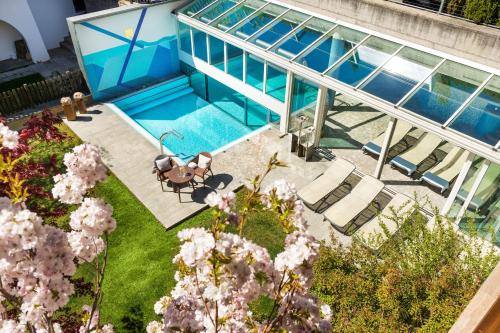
x: 220, y: 274
x: 420, y: 279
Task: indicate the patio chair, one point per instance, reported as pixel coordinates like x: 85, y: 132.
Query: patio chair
x: 402, y: 206
x: 160, y: 165
x: 375, y: 146
x: 443, y: 174
x: 487, y: 188
x: 316, y: 192
x: 202, y: 165
x: 352, y: 205
x: 411, y: 159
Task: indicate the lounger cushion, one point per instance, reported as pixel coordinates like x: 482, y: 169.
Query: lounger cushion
x: 192, y: 165
x: 404, y: 164
x: 332, y: 178
x: 203, y: 161
x: 343, y: 211
x: 437, y: 181
x: 372, y: 148
x: 164, y: 164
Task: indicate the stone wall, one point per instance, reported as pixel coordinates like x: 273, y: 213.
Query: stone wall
x: 451, y: 35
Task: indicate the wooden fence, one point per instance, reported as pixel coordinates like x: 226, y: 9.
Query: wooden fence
x: 34, y: 94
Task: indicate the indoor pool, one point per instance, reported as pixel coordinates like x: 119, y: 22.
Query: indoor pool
x: 204, y: 126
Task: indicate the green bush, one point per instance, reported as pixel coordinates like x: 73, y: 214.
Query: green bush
x: 420, y: 280
x: 456, y: 7
x: 482, y: 11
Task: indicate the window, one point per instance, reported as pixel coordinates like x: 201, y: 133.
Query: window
x: 276, y: 82
x: 185, y: 38
x: 216, y: 52
x: 255, y: 71
x: 235, y: 61
x: 200, y: 44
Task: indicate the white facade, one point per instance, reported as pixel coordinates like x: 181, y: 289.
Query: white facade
x: 42, y: 24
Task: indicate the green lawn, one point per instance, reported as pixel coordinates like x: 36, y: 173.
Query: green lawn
x: 140, y: 268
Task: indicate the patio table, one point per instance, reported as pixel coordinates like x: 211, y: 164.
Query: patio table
x: 180, y: 175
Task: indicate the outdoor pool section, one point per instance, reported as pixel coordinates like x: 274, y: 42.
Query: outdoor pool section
x: 211, y: 123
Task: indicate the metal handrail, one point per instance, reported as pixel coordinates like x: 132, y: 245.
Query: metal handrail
x: 167, y: 133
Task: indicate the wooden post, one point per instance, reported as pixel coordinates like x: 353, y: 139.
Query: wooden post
x: 68, y: 109
x: 80, y: 103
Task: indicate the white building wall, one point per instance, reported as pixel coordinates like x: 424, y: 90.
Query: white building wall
x: 50, y: 17
x: 8, y: 35
x: 18, y: 14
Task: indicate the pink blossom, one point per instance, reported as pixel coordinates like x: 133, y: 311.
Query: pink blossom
x: 94, y: 217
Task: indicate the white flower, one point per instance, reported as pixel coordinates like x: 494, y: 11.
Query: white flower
x: 10, y: 139
x: 154, y: 327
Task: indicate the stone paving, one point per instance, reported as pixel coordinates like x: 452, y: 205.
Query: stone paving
x: 129, y: 156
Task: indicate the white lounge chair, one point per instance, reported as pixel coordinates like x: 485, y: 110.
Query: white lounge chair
x: 372, y: 233
x: 411, y: 159
x: 447, y: 170
x: 375, y: 146
x: 349, y: 207
x: 319, y: 189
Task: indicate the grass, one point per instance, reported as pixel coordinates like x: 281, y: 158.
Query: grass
x: 140, y: 268
x: 16, y: 83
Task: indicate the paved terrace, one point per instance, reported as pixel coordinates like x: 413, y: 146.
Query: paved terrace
x: 129, y: 156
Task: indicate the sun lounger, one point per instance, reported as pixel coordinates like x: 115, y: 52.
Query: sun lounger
x: 321, y: 187
x: 410, y: 159
x: 375, y: 146
x: 349, y: 207
x: 447, y: 170
x: 486, y: 189
x: 402, y: 206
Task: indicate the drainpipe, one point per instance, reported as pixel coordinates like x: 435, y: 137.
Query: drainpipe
x: 441, y: 6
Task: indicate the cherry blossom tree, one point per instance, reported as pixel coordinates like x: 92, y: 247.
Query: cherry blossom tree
x: 37, y: 260
x: 220, y: 273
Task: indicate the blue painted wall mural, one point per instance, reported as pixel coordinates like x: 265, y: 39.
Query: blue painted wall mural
x: 128, y: 50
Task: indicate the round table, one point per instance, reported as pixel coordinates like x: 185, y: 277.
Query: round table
x: 180, y: 175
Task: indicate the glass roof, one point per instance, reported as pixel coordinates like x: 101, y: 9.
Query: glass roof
x: 434, y: 87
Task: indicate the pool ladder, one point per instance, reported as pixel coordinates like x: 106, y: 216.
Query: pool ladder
x: 167, y: 133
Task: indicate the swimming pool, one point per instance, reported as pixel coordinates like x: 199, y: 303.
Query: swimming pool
x: 205, y: 125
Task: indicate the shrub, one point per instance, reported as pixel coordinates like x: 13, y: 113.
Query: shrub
x: 420, y: 280
x: 482, y: 11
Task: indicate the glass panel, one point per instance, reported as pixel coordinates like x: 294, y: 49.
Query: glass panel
x: 197, y: 80
x: 483, y: 215
x: 304, y: 97
x: 235, y: 61
x: 240, y: 108
x: 216, y: 52
x: 481, y: 119
x: 464, y: 190
x: 185, y: 37
x: 445, y: 91
x: 279, y: 29
x: 276, y: 82
x: 215, y: 10
x: 401, y: 74
x: 200, y: 44
x: 255, y: 71
x: 252, y: 25
x: 238, y: 14
x: 367, y: 57
x: 302, y: 38
x: 196, y: 7
x: 340, y: 41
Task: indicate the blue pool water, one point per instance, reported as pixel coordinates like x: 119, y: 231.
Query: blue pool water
x: 205, y: 126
